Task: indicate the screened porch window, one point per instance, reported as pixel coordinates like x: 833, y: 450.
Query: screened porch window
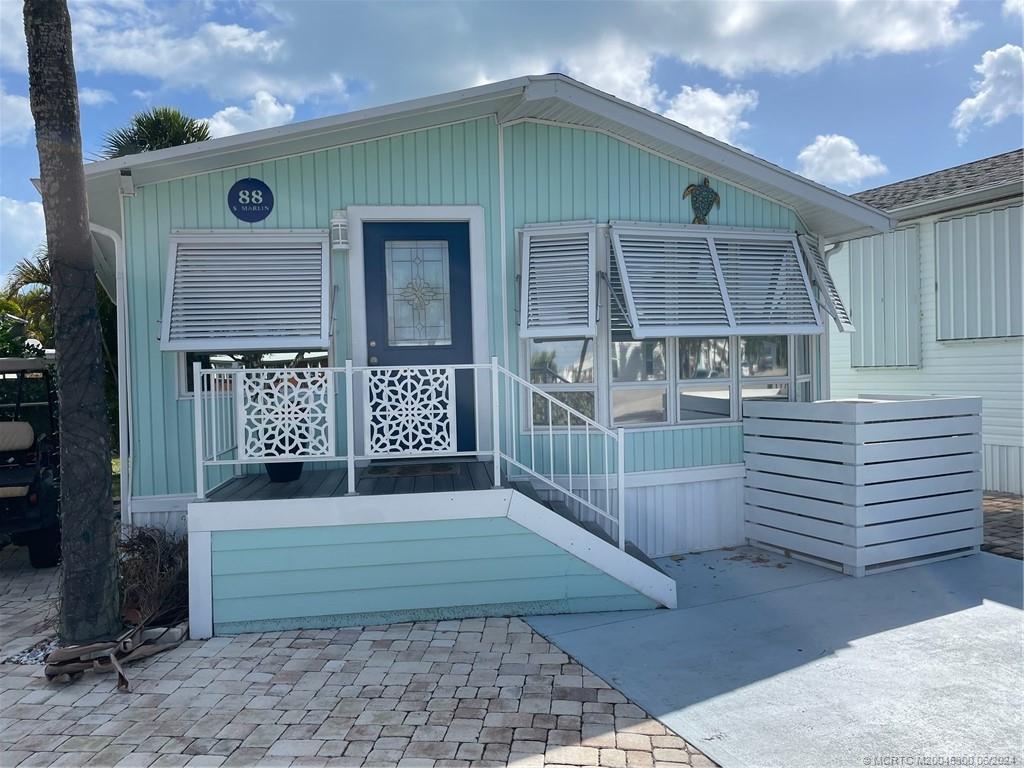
x: 303, y: 358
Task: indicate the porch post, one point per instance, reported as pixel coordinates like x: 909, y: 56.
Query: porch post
x: 620, y: 488
x: 197, y: 414
x: 495, y: 423
x: 350, y: 429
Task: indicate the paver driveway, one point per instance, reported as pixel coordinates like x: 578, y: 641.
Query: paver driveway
x: 455, y: 693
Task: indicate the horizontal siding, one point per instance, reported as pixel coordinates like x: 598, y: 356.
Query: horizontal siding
x: 992, y: 369
x: 289, y: 578
x: 885, y: 290
x: 449, y: 165
x: 978, y: 275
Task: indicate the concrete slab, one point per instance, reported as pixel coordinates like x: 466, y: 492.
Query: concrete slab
x: 772, y: 662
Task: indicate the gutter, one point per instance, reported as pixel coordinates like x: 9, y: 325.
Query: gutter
x: 991, y: 194
x: 123, y: 367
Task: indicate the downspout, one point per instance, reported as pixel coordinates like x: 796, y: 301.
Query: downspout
x: 123, y: 368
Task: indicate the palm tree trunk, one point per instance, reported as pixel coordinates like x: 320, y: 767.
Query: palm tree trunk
x: 89, y: 588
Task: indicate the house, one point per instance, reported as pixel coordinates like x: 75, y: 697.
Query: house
x: 937, y: 301
x: 510, y: 363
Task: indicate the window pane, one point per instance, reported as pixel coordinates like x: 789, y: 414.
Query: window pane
x: 697, y: 403
x: 638, y: 360
x: 764, y: 355
x: 307, y: 358
x: 641, y: 405
x: 776, y: 391
x: 703, y: 358
x: 581, y: 401
x: 803, y: 392
x: 418, y: 293
x: 570, y: 361
x: 803, y: 355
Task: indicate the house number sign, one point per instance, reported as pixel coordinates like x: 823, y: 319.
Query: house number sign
x: 250, y: 200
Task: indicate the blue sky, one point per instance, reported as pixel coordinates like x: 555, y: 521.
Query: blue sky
x: 853, y: 94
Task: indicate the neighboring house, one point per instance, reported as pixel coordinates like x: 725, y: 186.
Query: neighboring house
x: 938, y: 302
x: 574, y: 350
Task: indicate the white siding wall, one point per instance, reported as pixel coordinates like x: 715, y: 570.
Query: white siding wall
x: 990, y: 368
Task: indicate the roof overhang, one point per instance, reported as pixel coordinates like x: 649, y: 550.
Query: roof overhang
x: 553, y: 97
x: 995, y: 193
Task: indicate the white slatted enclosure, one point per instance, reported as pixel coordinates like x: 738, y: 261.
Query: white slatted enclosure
x: 559, y: 277
x: 246, y: 291
x: 702, y: 281
x: 865, y: 485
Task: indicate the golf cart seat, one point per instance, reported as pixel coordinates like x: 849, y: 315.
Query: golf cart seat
x: 18, y: 458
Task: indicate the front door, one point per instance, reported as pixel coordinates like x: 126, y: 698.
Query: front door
x: 419, y: 313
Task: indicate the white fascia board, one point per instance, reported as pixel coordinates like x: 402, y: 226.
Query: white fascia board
x: 758, y: 171
x: 994, y: 194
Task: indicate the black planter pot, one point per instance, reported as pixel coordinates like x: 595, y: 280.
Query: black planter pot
x: 284, y: 472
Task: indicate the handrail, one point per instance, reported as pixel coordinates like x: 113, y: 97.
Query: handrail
x: 577, y: 447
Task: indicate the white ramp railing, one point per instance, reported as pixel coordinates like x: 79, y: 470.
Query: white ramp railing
x: 252, y: 416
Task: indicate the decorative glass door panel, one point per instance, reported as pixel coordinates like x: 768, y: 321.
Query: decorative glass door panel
x: 418, y: 317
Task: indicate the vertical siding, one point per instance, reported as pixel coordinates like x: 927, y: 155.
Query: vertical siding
x: 990, y: 368
x: 885, y: 288
x: 558, y: 173
x: 449, y: 165
x: 978, y: 275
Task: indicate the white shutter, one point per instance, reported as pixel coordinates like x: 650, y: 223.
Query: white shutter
x: 700, y: 281
x: 765, y: 284
x: 558, y: 282
x: 670, y: 283
x: 829, y: 294
x: 228, y: 292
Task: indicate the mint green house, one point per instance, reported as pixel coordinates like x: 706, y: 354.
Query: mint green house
x: 482, y: 353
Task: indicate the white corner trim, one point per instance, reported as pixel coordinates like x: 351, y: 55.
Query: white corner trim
x: 593, y: 550
x: 200, y: 585
x: 208, y: 516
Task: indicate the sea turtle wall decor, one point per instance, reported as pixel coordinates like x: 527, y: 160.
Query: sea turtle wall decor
x: 702, y: 199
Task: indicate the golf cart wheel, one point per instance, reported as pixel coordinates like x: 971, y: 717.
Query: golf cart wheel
x: 44, y: 548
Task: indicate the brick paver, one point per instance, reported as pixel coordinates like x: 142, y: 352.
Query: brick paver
x: 475, y: 692
x: 27, y: 601
x: 1004, y: 524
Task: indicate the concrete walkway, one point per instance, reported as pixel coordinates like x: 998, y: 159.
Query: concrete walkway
x: 773, y: 662
x: 445, y: 694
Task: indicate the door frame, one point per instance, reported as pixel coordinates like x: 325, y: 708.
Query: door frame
x: 473, y: 215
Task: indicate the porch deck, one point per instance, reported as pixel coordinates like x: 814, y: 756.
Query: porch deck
x: 376, y: 479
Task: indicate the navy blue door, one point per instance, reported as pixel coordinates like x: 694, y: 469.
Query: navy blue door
x: 419, y: 305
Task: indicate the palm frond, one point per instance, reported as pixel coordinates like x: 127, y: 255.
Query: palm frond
x: 157, y: 128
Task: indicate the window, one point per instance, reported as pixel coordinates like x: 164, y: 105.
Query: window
x: 705, y: 379
x: 237, y: 291
x: 565, y: 369
x: 639, y: 373
x: 307, y: 358
x: 418, y: 295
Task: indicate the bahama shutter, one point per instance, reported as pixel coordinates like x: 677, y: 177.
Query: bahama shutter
x: 687, y: 281
x: 237, y: 292
x: 558, y: 276
x: 822, y: 278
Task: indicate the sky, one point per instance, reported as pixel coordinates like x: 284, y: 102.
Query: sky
x: 851, y: 94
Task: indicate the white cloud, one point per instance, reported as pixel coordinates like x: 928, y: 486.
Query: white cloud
x: 1011, y: 7
x: 264, y: 112
x: 16, y: 124
x: 835, y: 159
x: 716, y: 114
x: 22, y: 230
x: 387, y: 55
x: 94, y: 97
x: 997, y: 95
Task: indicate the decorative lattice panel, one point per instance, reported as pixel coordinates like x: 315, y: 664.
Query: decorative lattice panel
x: 410, y: 411
x: 286, y: 413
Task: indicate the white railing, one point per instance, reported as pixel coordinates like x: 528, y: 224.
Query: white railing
x: 271, y: 415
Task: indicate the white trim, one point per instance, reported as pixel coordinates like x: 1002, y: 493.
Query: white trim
x: 593, y: 550
x: 473, y: 215
x: 200, y: 585
x: 172, y: 502
x: 507, y: 355
x: 123, y: 366
x: 344, y: 510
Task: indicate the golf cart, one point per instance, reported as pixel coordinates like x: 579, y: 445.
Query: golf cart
x: 29, y: 459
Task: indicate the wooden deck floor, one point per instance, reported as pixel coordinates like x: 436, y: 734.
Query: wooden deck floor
x: 377, y: 479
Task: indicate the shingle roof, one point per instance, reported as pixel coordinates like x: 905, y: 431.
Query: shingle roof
x: 990, y: 171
